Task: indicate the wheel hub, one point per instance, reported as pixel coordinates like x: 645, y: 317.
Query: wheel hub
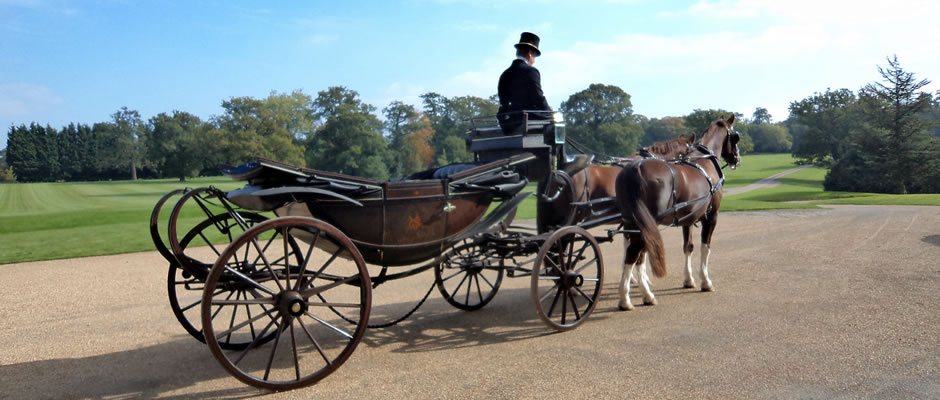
x: 291, y: 303
x: 572, y: 279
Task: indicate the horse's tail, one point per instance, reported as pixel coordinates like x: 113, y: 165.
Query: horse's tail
x: 632, y: 192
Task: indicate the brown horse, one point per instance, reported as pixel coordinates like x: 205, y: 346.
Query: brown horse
x: 573, y: 194
x: 654, y: 192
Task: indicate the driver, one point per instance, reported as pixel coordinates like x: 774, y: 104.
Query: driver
x: 520, y: 86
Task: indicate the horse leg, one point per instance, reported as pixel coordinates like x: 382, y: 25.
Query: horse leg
x: 687, y: 248
x: 631, y: 252
x: 633, y: 277
x: 644, y: 280
x: 708, y: 227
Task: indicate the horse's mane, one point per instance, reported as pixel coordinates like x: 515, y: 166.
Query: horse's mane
x: 674, y: 145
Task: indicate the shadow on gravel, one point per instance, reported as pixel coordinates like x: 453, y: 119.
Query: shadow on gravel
x: 147, y: 372
x: 932, y: 239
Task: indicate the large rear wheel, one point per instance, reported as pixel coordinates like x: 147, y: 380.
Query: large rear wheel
x: 294, y: 301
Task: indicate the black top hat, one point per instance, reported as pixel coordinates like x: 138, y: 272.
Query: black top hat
x: 529, y: 39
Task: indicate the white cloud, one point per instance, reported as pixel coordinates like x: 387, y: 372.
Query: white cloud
x: 23, y: 99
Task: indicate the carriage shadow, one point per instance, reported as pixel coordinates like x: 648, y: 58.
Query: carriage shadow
x: 511, y: 317
x: 436, y: 326
x: 147, y: 372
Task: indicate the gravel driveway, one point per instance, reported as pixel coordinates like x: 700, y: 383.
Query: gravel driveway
x: 835, y: 303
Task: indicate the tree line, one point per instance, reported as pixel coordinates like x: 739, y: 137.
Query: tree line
x: 336, y: 131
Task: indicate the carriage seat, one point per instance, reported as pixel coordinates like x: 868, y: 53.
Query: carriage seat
x: 440, y: 172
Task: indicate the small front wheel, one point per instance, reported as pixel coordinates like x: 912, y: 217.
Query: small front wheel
x: 567, y: 278
x: 293, y: 298
x: 467, y: 277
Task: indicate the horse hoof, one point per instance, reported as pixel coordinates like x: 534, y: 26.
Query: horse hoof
x: 649, y: 302
x: 625, y: 307
x: 689, y: 285
x: 708, y: 288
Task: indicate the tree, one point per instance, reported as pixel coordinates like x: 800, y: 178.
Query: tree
x: 7, y: 175
x: 401, y: 120
x: 350, y: 139
x: 769, y: 138
x: 252, y: 128
x: 129, y: 139
x: 6, y: 171
x: 450, y: 118
x: 666, y: 128
x: 416, y: 152
x: 32, y: 153
x: 601, y: 118
x: 761, y: 116
x: 178, y: 144
x: 827, y: 120
x: 893, y: 151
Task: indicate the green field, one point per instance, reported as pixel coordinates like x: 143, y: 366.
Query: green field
x: 42, y: 221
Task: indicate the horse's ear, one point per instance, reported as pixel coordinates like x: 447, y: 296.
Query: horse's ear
x: 731, y: 120
x: 692, y: 138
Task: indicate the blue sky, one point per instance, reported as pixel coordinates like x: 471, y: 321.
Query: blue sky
x: 80, y: 61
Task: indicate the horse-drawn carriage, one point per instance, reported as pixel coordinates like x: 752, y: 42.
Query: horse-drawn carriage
x: 287, y: 300
x: 273, y: 276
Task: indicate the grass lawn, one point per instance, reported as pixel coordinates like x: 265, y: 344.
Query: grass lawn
x: 42, y: 221
x: 803, y: 189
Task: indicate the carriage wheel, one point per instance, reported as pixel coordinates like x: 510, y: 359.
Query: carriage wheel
x: 190, y: 214
x: 289, y: 299
x: 567, y: 277
x: 185, y: 290
x: 155, y: 226
x: 466, y: 276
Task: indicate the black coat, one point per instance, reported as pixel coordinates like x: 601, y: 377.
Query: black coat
x: 520, y: 88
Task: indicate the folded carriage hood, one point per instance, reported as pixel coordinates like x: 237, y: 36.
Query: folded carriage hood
x: 256, y: 197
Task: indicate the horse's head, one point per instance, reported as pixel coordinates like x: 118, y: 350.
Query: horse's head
x: 723, y: 139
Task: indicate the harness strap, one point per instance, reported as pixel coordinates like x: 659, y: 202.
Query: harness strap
x: 713, y: 187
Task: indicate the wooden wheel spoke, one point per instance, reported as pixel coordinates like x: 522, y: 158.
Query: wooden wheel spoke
x: 329, y: 325
x: 326, y: 264
x: 232, y: 320
x: 306, y: 260
x: 209, y: 242
x: 236, y: 302
x: 219, y: 308
x: 267, y: 264
x: 293, y: 343
x: 277, y: 340
x: 574, y: 306
x: 253, y: 343
x: 314, y: 341
x: 586, y: 297
x: 551, y: 308
x: 250, y: 281
x: 460, y: 284
x: 479, y: 290
x: 246, y: 322
x: 588, y: 264
x: 490, y: 284
x: 307, y: 293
